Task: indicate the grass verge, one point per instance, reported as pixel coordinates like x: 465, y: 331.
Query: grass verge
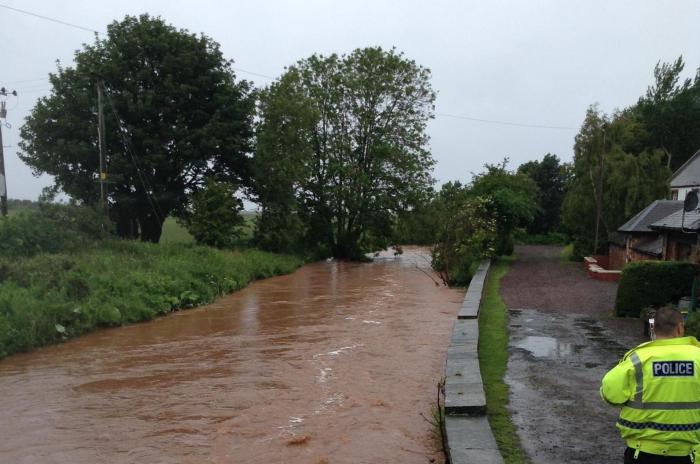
x: 493, y: 356
x: 567, y: 254
x: 48, y: 298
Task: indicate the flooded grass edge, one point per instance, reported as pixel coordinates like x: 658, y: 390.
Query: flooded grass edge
x: 493, y: 360
x: 52, y: 298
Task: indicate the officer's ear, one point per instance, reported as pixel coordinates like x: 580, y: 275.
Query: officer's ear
x: 680, y: 329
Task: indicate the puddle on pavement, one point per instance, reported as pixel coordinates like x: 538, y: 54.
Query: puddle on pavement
x: 547, y: 347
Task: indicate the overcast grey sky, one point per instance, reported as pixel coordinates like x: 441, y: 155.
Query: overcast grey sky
x: 525, y: 62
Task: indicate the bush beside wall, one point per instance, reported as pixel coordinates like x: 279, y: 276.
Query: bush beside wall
x: 652, y: 284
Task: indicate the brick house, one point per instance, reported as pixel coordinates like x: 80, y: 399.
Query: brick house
x: 636, y: 240
x: 662, y: 230
x: 679, y: 234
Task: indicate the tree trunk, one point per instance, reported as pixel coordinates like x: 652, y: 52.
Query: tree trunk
x: 127, y: 225
x: 151, y: 228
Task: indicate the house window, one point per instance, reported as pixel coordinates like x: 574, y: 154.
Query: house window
x: 674, y: 194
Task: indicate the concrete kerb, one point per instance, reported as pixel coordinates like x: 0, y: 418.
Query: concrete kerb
x: 468, y: 435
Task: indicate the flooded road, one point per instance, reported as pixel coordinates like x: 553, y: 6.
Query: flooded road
x: 332, y: 364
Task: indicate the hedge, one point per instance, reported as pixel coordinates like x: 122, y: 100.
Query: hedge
x: 652, y: 284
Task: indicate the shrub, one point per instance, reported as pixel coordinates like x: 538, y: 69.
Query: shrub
x: 652, y: 283
x: 51, y: 228
x: 467, y: 237
x: 522, y: 237
x: 214, y: 217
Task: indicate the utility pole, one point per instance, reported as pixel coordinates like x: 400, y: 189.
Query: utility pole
x: 3, y: 183
x: 100, y: 141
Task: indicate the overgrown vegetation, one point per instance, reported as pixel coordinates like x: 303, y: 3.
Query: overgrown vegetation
x: 478, y: 221
x: 652, y: 284
x: 466, y: 236
x: 62, y: 275
x: 50, y: 228
x: 51, y: 297
x: 493, y: 359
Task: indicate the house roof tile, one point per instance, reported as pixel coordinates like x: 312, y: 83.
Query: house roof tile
x: 656, y: 211
x: 689, y: 174
x: 678, y: 221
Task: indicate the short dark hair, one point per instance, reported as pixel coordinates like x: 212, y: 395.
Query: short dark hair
x: 666, y: 319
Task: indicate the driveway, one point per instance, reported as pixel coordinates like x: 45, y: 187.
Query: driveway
x: 563, y: 338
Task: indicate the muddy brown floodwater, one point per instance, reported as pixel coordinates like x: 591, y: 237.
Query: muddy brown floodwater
x: 335, y: 363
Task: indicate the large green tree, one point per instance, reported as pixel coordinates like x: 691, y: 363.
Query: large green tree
x: 609, y: 185
x: 341, y: 148
x: 174, y: 113
x: 550, y: 176
x: 669, y: 115
x: 514, y: 198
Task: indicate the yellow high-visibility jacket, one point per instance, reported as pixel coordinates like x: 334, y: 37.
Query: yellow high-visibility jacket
x: 657, y: 384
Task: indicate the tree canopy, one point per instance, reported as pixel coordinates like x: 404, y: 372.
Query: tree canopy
x: 341, y: 148
x: 668, y: 115
x: 609, y: 185
x: 514, y: 198
x: 551, y: 177
x: 214, y: 215
x: 174, y: 114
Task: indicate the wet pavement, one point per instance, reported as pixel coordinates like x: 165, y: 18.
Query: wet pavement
x: 563, y: 338
x: 336, y: 363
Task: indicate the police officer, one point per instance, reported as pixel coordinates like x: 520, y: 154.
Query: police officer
x: 657, y: 384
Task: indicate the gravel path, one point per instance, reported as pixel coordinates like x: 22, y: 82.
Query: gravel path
x: 563, y: 338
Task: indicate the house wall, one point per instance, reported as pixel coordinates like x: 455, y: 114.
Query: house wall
x: 680, y: 247
x: 680, y: 193
x: 616, y: 255
x: 619, y: 255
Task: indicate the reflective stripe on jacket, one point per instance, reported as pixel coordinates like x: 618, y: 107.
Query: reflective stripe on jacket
x: 657, y: 384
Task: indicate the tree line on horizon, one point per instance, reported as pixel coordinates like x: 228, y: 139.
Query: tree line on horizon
x: 331, y: 150
x: 622, y: 162
x: 334, y: 151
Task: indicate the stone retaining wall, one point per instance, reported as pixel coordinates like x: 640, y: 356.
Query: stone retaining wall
x: 469, y: 436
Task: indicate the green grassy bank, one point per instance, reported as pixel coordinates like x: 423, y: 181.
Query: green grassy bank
x: 48, y: 298
x: 493, y: 356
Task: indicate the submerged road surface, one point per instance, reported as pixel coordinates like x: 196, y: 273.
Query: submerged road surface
x: 335, y: 363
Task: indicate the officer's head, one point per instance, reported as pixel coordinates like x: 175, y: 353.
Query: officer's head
x: 668, y: 323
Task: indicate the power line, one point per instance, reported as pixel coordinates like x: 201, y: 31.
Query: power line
x: 504, y: 123
x: 47, y: 18
x: 253, y: 73
x: 266, y: 76
x: 123, y: 132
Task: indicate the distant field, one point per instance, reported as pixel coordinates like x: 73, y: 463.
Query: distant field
x: 15, y: 206
x: 173, y: 232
